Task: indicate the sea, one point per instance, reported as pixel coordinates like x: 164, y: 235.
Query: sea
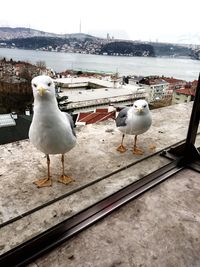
x: 181, y: 68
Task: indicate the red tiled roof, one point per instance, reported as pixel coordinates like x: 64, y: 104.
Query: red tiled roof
x: 83, y: 115
x: 102, y: 110
x: 172, y: 80
x: 185, y: 91
x: 95, y: 117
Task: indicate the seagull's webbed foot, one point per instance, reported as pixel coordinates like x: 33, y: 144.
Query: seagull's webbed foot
x: 121, y: 148
x: 43, y: 182
x: 138, y: 151
x: 152, y: 147
x: 65, y: 179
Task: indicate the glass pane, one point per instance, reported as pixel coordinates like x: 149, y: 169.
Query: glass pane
x: 96, y: 74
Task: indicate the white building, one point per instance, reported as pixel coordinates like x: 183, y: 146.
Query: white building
x: 103, y: 94
x: 157, y: 89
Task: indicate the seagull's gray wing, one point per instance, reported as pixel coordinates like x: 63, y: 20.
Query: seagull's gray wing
x: 71, y: 122
x: 121, y: 118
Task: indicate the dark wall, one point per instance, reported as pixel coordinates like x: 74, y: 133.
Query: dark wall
x: 16, y: 133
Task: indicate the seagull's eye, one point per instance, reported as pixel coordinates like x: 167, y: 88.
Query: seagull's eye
x: 135, y: 106
x: 144, y: 106
x: 35, y: 85
x: 49, y: 84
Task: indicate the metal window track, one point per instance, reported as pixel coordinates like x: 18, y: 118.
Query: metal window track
x: 186, y: 155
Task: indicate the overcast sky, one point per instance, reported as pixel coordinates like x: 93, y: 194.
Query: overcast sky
x: 161, y: 20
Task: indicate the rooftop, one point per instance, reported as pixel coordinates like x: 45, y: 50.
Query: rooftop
x: 186, y: 91
x: 95, y: 117
x: 99, y: 170
x: 173, y: 80
x: 102, y: 93
x: 153, y: 80
x: 83, y: 81
x: 78, y: 97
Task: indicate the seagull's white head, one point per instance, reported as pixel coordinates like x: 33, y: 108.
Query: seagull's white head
x: 43, y: 87
x: 140, y: 106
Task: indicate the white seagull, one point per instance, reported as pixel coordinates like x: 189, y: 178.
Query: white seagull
x: 51, y: 131
x: 134, y: 120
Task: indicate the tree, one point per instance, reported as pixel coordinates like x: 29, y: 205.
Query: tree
x: 25, y: 73
x: 41, y: 64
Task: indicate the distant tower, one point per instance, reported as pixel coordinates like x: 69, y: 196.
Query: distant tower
x: 80, y: 26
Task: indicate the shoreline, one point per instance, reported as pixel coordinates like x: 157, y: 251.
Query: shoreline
x: 93, y: 54
x: 180, y: 68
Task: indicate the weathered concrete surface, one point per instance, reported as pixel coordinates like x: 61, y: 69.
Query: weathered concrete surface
x: 94, y: 157
x: 39, y: 221
x: 161, y: 228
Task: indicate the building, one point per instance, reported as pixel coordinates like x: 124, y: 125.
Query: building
x: 157, y: 90
x: 185, y: 94
x: 86, y: 94
x: 174, y: 83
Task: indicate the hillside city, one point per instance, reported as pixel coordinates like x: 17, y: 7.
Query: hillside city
x: 138, y: 168
x: 16, y: 92
x: 26, y: 38
x: 88, y: 96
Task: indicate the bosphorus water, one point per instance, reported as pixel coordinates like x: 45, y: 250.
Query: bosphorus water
x: 186, y: 69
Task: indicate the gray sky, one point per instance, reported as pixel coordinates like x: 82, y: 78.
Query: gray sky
x: 161, y: 20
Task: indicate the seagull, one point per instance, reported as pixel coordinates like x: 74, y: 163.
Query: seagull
x: 51, y: 131
x: 134, y: 120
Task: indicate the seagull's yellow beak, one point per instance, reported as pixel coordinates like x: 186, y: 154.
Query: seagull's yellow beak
x: 41, y: 90
x: 139, y: 110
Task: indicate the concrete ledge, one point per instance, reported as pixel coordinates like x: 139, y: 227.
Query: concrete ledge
x: 94, y: 157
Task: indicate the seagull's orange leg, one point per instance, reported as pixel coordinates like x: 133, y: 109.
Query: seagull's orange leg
x: 136, y: 150
x: 121, y: 148
x: 65, y: 179
x: 46, y: 181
